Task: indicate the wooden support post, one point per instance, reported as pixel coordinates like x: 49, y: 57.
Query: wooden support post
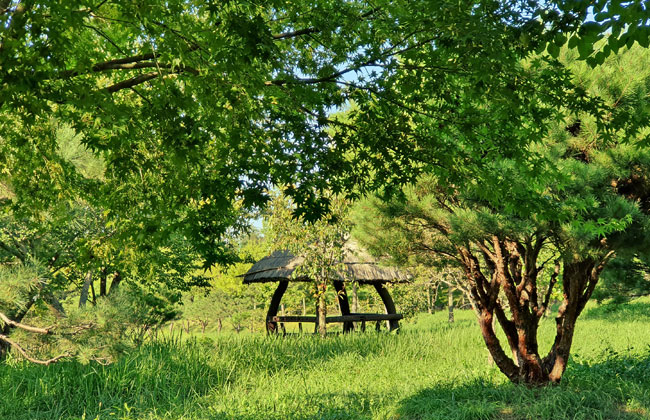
x: 271, y: 326
x: 344, y: 305
x: 388, y: 304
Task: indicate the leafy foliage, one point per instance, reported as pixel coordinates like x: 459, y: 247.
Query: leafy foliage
x: 578, y: 200
x: 193, y: 110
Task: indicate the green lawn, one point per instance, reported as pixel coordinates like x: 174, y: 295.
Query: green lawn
x: 431, y: 370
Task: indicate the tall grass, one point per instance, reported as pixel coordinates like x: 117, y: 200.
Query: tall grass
x: 431, y: 370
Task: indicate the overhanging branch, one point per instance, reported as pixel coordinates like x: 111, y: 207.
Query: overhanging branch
x: 26, y: 355
x: 15, y: 324
x: 294, y: 34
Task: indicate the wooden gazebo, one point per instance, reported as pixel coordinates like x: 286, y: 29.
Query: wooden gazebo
x: 280, y: 265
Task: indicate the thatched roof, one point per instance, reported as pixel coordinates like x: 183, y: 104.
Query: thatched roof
x: 280, y: 265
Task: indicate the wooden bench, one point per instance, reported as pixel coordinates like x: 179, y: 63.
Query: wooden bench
x: 353, y: 317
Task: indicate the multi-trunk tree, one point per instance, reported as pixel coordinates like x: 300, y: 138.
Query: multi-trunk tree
x: 524, y: 230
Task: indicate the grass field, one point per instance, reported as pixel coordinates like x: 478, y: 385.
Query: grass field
x: 431, y: 370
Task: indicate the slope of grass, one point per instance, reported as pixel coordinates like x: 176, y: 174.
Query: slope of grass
x: 431, y: 370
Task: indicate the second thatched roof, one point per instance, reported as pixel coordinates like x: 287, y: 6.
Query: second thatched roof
x: 280, y: 265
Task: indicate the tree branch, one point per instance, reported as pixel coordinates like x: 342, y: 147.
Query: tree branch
x: 312, y: 30
x: 294, y: 34
x: 129, y: 63
x: 549, y: 291
x: 334, y: 76
x: 594, y: 276
x: 12, y: 251
x: 134, y: 81
x: 24, y: 353
x: 4, y: 6
x: 15, y: 324
x: 106, y: 37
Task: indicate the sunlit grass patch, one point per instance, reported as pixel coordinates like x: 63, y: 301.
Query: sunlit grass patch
x: 431, y: 370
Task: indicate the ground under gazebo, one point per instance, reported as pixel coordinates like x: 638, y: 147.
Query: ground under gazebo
x: 280, y: 265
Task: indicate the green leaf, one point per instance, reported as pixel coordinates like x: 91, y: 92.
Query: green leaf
x: 553, y: 49
x: 613, y: 44
x: 585, y: 48
x: 642, y: 37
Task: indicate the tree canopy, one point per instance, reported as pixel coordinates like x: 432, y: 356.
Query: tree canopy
x: 196, y: 108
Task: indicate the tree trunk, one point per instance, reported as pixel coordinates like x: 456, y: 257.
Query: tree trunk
x: 508, y: 281
x: 435, y: 298
x: 355, y: 298
x: 527, y: 367
x: 322, y: 310
x: 503, y: 362
x: 83, y: 298
x: 92, y: 293
x: 115, y: 284
x: 4, y: 346
x: 102, y: 282
x: 54, y: 304
x: 304, y: 312
x: 4, y: 350
x: 450, y: 303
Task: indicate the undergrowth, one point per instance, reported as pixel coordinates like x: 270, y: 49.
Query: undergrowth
x: 431, y: 370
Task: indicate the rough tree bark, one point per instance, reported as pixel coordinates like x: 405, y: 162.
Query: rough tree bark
x: 509, y: 269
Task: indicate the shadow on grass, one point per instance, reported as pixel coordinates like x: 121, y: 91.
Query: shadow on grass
x: 618, y: 388
x: 155, y: 378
